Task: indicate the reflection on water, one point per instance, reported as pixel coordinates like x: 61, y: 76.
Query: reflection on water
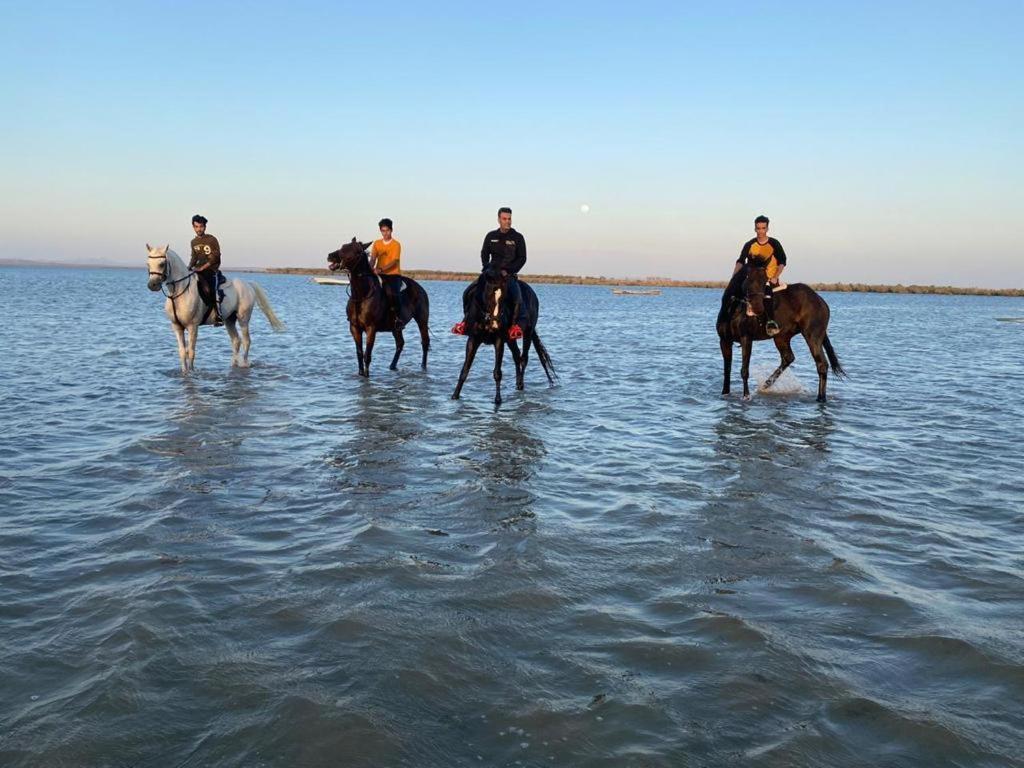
x: 269, y: 566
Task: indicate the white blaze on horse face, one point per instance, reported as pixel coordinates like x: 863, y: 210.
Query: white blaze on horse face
x: 497, y: 308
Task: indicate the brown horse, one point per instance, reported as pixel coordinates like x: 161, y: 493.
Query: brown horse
x: 798, y: 309
x: 368, y: 310
x: 488, y: 320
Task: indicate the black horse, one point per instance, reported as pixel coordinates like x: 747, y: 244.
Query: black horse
x: 368, y: 309
x: 488, y: 320
x: 797, y: 309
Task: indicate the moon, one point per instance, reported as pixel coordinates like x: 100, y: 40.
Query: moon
x: 584, y: 208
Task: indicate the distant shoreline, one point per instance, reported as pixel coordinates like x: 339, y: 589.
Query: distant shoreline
x: 664, y: 282
x: 651, y: 282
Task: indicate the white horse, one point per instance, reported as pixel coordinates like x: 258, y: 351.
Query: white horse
x: 187, y: 311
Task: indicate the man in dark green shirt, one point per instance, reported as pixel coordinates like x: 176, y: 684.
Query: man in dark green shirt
x: 206, y: 263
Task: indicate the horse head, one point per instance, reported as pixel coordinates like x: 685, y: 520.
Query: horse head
x: 753, y: 286
x: 494, y: 291
x: 156, y: 261
x: 350, y: 257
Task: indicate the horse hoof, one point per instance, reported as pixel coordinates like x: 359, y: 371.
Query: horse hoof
x: 455, y: 396
x: 393, y: 367
x: 746, y: 398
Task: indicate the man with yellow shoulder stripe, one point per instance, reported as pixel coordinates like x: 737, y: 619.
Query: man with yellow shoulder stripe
x: 386, y: 261
x: 768, y: 251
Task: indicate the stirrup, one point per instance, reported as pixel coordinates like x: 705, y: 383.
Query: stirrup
x: 459, y: 329
x: 771, y: 328
x: 515, y: 332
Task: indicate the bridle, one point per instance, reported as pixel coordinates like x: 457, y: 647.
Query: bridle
x: 493, y: 316
x: 164, y: 283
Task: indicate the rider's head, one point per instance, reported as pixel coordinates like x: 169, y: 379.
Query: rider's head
x: 385, y: 226
x: 199, y: 224
x: 761, y: 227
x: 504, y: 218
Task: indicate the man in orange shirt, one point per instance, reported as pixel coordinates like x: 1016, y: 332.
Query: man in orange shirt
x: 386, y: 261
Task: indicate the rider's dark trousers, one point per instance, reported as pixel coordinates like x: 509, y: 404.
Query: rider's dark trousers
x: 208, y: 285
x: 392, y: 285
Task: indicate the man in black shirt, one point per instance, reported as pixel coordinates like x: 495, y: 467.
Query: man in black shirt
x: 503, y: 249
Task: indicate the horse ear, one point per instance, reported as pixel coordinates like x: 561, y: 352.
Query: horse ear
x: 148, y: 248
x: 366, y: 245
x: 167, y: 248
x: 353, y: 240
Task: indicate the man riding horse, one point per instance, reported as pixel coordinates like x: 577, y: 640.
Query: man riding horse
x: 386, y: 262
x: 503, y: 250
x: 205, y: 262
x: 766, y: 251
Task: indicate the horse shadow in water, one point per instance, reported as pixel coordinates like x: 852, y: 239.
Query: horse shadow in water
x: 368, y: 309
x: 489, y: 316
x: 798, y: 309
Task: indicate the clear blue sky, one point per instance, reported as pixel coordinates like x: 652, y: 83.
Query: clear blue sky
x: 883, y: 139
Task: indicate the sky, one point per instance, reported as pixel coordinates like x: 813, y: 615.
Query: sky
x: 882, y: 139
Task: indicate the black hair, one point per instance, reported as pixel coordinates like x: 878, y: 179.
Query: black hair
x: 385, y: 223
x: 762, y: 219
x: 197, y: 219
x: 505, y: 209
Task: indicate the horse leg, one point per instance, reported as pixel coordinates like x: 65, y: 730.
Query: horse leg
x: 193, y: 337
x: 517, y: 358
x: 747, y: 345
x: 236, y: 343
x: 246, y: 342
x: 399, y: 344
x: 371, y: 336
x: 357, y: 337
x: 472, y: 344
x: 786, y: 359
x: 499, y: 353
x: 814, y: 344
x: 179, y: 334
x: 726, y: 345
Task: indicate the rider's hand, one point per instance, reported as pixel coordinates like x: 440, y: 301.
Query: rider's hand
x: 504, y: 273
x: 774, y: 281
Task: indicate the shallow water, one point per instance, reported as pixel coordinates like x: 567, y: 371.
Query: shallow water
x: 290, y: 566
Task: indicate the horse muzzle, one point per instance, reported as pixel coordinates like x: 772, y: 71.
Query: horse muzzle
x: 333, y: 266
x: 154, y: 285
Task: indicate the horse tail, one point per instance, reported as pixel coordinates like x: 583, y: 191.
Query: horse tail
x: 545, y: 359
x: 426, y: 318
x: 264, y: 302
x: 833, y: 359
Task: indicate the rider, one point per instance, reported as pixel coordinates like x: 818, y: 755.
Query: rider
x: 386, y: 261
x: 769, y: 251
x: 205, y: 262
x: 504, y: 248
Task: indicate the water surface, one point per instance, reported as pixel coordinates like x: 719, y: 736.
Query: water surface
x: 290, y: 566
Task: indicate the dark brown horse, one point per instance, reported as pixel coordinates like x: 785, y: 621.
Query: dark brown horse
x: 798, y: 309
x: 368, y: 310
x: 488, y: 320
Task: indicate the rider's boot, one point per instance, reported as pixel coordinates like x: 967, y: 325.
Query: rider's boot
x: 515, y: 331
